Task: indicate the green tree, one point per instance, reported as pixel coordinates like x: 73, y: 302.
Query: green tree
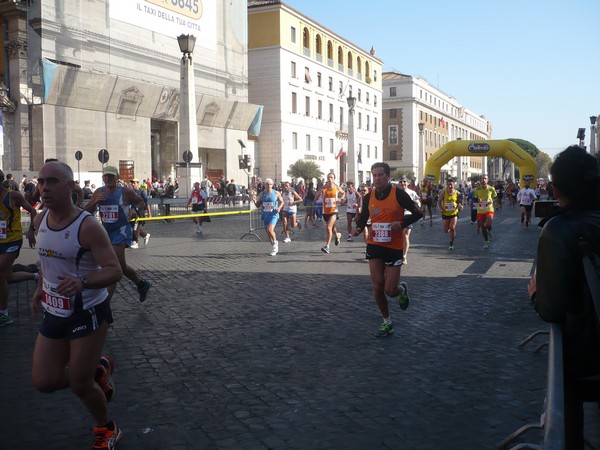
x: 305, y: 169
x: 542, y: 164
x: 408, y: 173
x: 527, y: 146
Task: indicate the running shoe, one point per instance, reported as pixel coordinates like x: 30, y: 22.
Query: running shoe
x: 146, y: 239
x: 403, y: 298
x: 107, y: 437
x: 5, y: 319
x: 337, y: 238
x: 143, y: 289
x: 350, y: 238
x: 134, y: 244
x: 325, y: 249
x: 386, y: 329
x: 273, y: 253
x: 487, y: 245
x: 104, y: 380
x: 108, y: 363
x: 451, y: 246
x: 287, y: 239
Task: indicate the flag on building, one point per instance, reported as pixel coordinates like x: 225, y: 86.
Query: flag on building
x: 442, y: 122
x: 340, y: 153
x: 359, y: 158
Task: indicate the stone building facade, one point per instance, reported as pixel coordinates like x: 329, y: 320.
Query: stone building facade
x: 418, y: 119
x: 86, y: 75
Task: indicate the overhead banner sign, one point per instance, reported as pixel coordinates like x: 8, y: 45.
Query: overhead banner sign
x: 171, y: 17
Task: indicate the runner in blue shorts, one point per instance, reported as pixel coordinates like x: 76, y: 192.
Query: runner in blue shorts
x: 111, y: 200
x: 271, y: 202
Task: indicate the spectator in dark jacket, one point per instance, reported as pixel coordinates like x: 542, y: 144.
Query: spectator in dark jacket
x: 559, y: 289
x: 231, y: 191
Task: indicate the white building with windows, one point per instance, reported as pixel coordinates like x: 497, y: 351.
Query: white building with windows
x: 303, y: 74
x: 418, y: 119
x: 86, y: 75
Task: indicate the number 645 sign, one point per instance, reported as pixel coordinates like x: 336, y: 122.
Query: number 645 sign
x: 189, y: 8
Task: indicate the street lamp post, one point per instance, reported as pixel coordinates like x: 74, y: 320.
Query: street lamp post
x: 352, y: 172
x: 421, y: 152
x: 593, y: 120
x: 188, y: 133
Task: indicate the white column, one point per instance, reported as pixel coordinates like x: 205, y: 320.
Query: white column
x: 352, y: 163
x: 188, y: 132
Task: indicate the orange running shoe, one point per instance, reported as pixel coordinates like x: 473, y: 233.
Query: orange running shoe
x: 107, y: 438
x: 104, y: 370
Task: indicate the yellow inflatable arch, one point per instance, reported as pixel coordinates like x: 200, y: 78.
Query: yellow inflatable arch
x: 503, y: 148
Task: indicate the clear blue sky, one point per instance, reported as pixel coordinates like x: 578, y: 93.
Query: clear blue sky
x: 532, y: 67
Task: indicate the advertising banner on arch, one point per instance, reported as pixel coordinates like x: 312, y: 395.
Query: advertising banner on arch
x: 171, y: 17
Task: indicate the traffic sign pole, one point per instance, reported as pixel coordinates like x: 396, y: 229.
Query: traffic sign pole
x: 78, y: 156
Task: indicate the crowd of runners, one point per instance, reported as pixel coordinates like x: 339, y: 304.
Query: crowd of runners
x: 82, y: 253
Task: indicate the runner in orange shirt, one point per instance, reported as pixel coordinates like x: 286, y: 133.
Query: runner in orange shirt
x: 332, y: 195
x: 385, y: 206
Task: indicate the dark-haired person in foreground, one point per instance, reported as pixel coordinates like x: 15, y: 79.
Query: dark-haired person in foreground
x: 385, y: 205
x: 559, y: 289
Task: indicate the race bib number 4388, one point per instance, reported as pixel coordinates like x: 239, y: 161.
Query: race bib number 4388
x: 381, y: 232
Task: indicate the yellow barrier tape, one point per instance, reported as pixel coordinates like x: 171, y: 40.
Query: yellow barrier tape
x: 187, y: 216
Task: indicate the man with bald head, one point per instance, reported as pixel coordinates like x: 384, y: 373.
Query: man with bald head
x: 77, y: 265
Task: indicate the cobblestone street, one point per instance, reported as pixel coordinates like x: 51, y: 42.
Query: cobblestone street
x: 235, y: 349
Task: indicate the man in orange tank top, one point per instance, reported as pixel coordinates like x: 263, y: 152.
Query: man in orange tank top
x: 385, y: 205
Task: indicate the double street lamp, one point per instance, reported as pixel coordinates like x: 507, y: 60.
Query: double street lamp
x: 352, y: 173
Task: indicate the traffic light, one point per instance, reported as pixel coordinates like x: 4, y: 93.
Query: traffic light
x: 245, y: 162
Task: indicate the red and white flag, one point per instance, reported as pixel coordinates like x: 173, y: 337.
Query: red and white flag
x: 340, y: 153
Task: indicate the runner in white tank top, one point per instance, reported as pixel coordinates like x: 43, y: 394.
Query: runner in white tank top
x: 78, y: 263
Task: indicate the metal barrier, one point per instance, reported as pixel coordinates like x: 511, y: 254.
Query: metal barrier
x: 552, y: 418
x: 554, y: 422
x: 254, y: 222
